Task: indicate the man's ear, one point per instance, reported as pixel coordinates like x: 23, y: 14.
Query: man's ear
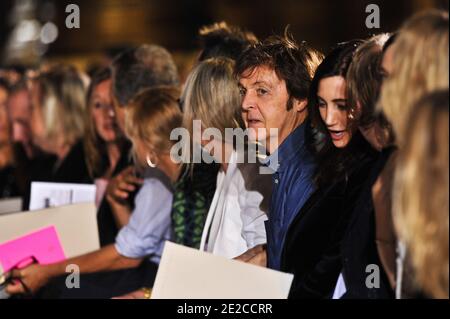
x: 300, y: 105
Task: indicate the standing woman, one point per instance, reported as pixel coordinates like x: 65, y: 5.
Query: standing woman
x: 235, y: 221
x: 312, y: 251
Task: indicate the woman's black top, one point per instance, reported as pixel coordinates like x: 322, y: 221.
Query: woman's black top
x: 8, y: 185
x: 312, y: 247
x: 72, y: 169
x: 358, y: 246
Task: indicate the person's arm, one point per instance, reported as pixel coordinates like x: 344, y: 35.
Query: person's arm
x: 150, y: 223
x: 253, y: 217
x: 121, y: 212
x: 143, y: 293
x: 36, y: 276
x: 256, y: 256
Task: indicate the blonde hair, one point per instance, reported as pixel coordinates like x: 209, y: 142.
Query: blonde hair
x: 420, y: 66
x: 62, y: 99
x: 420, y: 193
x: 151, y: 117
x: 211, y: 94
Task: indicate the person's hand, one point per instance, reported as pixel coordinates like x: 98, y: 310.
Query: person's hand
x: 122, y: 184
x: 260, y: 259
x: 138, y: 294
x: 256, y: 255
x: 28, y: 280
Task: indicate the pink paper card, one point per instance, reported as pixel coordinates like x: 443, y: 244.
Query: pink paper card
x: 42, y: 246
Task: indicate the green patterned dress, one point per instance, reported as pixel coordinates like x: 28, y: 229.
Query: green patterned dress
x: 192, y: 197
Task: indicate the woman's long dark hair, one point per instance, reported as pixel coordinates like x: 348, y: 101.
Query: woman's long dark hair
x: 95, y: 148
x: 333, y: 163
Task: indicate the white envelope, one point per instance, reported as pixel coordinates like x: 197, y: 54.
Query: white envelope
x: 76, y: 226
x: 45, y: 195
x: 187, y: 273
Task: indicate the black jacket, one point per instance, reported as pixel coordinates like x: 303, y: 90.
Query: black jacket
x: 312, y: 248
x: 358, y: 246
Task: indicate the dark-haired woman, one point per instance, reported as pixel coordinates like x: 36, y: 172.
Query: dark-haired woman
x: 364, y: 272
x: 103, y: 141
x: 312, y: 251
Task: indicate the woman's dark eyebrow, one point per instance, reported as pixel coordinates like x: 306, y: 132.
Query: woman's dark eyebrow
x: 340, y: 100
x: 320, y: 98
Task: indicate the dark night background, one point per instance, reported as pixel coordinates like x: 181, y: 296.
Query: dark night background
x: 174, y: 23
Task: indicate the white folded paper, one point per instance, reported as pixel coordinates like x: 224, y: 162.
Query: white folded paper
x: 187, y: 273
x: 45, y: 195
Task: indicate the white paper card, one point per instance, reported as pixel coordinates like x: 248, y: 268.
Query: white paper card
x: 45, y: 195
x: 187, y: 273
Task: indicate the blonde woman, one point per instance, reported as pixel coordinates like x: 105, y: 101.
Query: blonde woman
x: 130, y: 262
x: 420, y: 196
x: 419, y: 66
x: 415, y: 64
x: 235, y: 221
x: 58, y: 106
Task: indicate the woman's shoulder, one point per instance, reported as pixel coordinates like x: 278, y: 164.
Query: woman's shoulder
x: 155, y: 178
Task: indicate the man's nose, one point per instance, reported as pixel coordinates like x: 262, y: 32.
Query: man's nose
x: 248, y: 102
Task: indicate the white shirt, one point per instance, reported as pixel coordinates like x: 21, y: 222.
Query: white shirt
x: 340, y: 288
x: 235, y: 222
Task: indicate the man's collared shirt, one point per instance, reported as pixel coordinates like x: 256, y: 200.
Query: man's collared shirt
x: 293, y: 167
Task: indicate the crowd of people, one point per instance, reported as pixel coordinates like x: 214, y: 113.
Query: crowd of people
x: 351, y: 171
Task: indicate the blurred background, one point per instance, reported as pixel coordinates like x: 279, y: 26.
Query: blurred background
x: 34, y: 31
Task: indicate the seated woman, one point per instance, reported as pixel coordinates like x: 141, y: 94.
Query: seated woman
x: 58, y: 106
x: 365, y: 233
x: 235, y: 221
x: 312, y: 251
x: 8, y: 177
x: 414, y: 71
x: 420, y: 197
x: 106, y: 151
x: 132, y: 261
x: 103, y: 141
